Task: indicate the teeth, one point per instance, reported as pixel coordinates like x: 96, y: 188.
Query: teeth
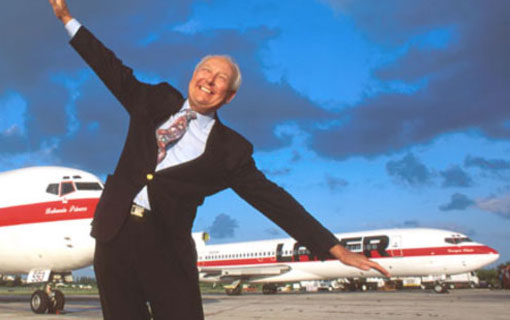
x: 205, y: 89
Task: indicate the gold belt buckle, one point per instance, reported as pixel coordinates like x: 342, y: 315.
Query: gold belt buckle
x: 137, y: 211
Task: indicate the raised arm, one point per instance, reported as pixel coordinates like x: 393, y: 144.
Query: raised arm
x: 61, y: 11
x: 134, y: 95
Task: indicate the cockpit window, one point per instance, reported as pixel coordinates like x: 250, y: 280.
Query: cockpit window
x: 88, y: 186
x: 52, y: 188
x: 67, y: 187
x: 457, y: 240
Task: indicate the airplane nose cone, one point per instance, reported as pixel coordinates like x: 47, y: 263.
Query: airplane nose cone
x: 493, y: 254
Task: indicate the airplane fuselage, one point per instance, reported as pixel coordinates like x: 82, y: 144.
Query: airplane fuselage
x: 45, y: 219
x: 404, y: 252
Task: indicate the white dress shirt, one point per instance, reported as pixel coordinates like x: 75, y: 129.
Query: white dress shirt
x: 189, y: 147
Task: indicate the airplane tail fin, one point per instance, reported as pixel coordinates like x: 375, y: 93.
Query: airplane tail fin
x: 200, y: 238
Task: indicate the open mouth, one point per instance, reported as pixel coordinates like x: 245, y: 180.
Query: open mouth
x: 204, y: 89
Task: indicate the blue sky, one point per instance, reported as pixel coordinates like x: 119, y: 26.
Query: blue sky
x: 373, y: 114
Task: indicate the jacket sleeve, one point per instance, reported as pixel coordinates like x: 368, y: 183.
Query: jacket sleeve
x: 134, y: 95
x: 279, y: 206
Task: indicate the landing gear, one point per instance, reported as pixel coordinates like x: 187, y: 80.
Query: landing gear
x: 42, y: 301
x: 440, y: 287
x: 269, y: 288
x: 48, y: 299
x: 39, y: 302
x: 57, y: 302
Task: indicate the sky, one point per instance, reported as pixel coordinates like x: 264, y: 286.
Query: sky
x: 373, y: 114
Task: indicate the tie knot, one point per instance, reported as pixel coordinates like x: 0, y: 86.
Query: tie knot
x: 190, y: 114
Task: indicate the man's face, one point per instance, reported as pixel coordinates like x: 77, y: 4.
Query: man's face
x: 210, y: 85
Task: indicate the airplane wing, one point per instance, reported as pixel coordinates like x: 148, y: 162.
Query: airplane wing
x: 241, y: 272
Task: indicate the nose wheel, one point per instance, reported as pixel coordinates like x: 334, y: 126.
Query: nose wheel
x: 47, y: 300
x: 39, y: 302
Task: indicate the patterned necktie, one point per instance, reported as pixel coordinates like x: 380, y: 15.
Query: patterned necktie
x: 173, y: 133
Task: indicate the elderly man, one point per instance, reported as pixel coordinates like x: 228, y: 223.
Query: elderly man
x: 177, y: 152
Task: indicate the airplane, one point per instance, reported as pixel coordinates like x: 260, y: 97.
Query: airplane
x: 403, y: 252
x: 45, y: 215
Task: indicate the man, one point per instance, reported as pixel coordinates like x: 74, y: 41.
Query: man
x: 176, y: 153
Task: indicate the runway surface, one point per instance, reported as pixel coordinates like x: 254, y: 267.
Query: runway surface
x: 465, y: 304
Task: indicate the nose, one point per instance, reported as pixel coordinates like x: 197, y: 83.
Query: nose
x: 209, y: 78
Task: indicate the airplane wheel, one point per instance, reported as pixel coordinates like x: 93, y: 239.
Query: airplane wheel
x: 440, y: 288
x: 58, y: 302
x: 39, y: 302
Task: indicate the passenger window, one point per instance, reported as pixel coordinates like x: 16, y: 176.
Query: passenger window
x: 67, y: 187
x: 52, y: 188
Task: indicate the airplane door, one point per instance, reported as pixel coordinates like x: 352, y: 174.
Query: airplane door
x: 279, y: 254
x: 396, y: 246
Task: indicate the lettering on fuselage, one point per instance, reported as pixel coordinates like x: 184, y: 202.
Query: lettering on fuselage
x: 298, y: 253
x: 372, y: 246
x: 71, y: 209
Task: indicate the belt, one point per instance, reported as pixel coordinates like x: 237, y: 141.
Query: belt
x: 139, y: 211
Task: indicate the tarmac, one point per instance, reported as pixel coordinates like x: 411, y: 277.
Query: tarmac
x: 465, y: 304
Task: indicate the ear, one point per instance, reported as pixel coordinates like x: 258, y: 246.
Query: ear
x: 230, y: 96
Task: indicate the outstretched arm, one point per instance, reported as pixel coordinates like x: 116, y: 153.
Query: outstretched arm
x: 286, y: 212
x: 61, y: 11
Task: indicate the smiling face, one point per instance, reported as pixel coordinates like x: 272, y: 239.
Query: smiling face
x: 210, y: 86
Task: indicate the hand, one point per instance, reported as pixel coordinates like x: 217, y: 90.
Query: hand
x: 356, y: 260
x: 60, y: 10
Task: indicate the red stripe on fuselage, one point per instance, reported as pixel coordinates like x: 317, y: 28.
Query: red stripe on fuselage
x: 403, y: 253
x: 48, y: 212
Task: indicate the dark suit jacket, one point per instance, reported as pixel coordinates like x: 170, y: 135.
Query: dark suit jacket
x: 176, y: 192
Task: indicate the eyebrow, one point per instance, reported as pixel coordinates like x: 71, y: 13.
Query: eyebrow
x: 206, y: 65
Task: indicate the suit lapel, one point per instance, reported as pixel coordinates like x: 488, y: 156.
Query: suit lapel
x: 207, y: 160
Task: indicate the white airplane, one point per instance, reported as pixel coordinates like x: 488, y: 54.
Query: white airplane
x: 45, y: 215
x: 404, y: 252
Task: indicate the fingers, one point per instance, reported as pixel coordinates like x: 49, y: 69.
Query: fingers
x: 60, y: 9
x: 357, y: 260
x: 378, y: 267
x: 54, y: 4
x: 366, y: 264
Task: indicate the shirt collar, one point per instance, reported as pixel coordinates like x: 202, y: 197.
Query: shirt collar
x: 202, y: 119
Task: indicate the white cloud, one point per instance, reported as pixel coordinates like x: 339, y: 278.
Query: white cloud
x: 13, y: 110
x: 499, y: 205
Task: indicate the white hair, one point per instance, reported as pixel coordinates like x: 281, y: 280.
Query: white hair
x: 236, y: 81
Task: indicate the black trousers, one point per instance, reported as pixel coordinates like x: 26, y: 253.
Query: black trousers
x: 138, y: 268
